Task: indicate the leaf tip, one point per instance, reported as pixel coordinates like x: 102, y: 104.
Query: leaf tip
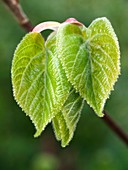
x: 98, y: 111
x: 101, y: 114
x: 63, y: 145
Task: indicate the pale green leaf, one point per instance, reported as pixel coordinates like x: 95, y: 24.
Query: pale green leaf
x: 66, y: 120
x: 39, y: 81
x: 57, y: 90
x: 90, y: 58
x: 56, y: 85
x: 28, y: 77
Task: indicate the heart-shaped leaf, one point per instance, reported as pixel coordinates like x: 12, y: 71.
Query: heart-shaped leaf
x: 39, y: 82
x: 90, y: 57
x: 28, y: 77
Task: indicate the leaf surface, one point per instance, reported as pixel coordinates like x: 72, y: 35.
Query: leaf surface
x: 90, y: 57
x: 66, y: 120
x: 57, y: 87
x: 28, y: 77
x: 39, y: 81
x: 58, y: 97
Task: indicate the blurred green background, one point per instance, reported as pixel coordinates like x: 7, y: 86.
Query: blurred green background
x: 94, y: 146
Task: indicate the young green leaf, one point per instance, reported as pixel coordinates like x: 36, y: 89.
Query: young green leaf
x: 39, y: 81
x: 57, y: 90
x: 56, y: 85
x: 46, y: 76
x: 65, y: 121
x: 28, y: 77
x: 90, y: 58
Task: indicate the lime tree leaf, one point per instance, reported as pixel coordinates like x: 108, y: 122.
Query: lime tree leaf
x: 65, y: 121
x: 57, y: 97
x: 90, y: 58
x: 28, y: 68
x: 56, y: 85
x: 39, y: 81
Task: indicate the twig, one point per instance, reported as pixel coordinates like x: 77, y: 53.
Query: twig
x: 24, y: 22
x: 19, y: 14
x: 115, y: 128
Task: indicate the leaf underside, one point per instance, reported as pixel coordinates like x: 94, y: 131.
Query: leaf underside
x: 90, y: 60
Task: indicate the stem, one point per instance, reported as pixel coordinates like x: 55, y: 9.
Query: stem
x: 24, y: 22
x: 115, y: 127
x: 19, y: 14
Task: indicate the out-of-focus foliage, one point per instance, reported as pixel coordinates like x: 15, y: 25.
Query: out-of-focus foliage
x: 44, y: 162
x: 94, y: 146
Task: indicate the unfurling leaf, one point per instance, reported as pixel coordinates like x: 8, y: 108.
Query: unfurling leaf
x: 90, y: 57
